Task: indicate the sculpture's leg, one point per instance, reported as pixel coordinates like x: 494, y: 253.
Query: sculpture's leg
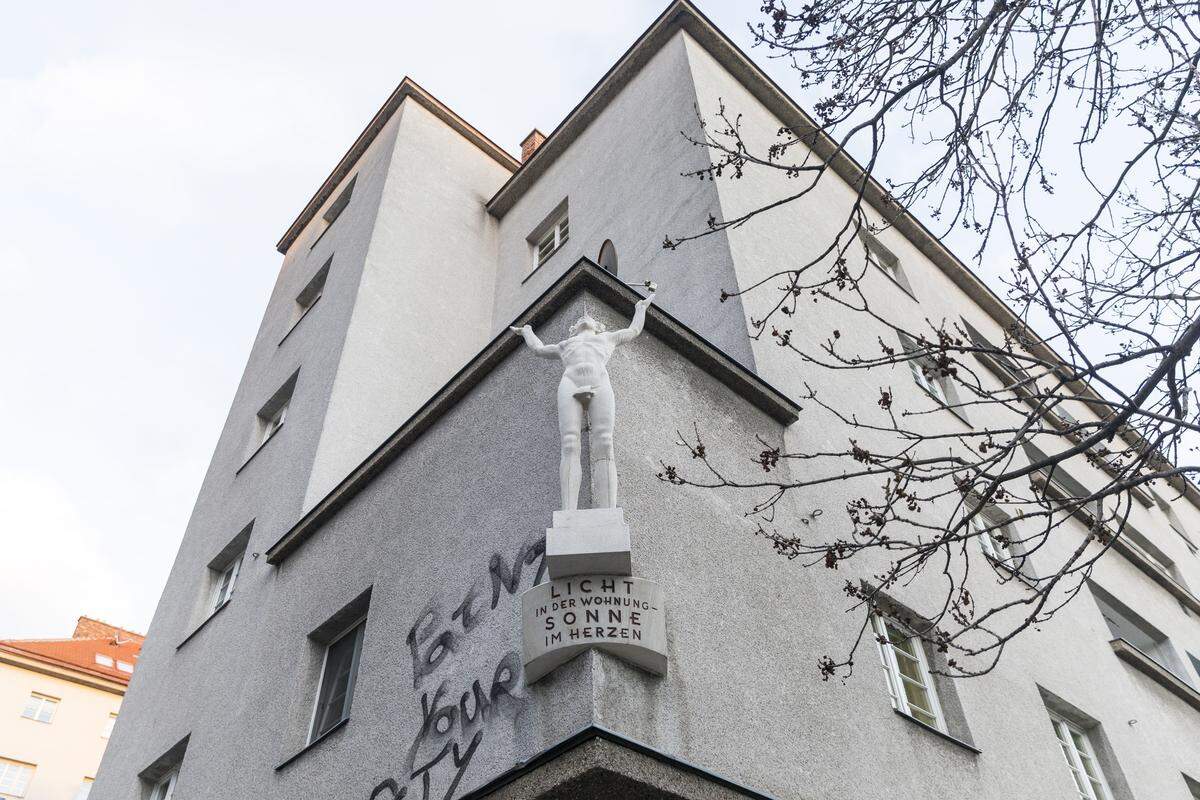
x: 601, y: 413
x: 570, y: 428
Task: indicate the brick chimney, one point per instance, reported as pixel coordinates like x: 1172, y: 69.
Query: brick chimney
x: 532, y: 142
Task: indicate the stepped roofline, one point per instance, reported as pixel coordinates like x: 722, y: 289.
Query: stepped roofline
x: 585, y: 275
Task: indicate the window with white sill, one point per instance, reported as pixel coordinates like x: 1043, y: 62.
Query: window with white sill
x: 549, y: 237
x: 15, y: 777
x: 906, y: 668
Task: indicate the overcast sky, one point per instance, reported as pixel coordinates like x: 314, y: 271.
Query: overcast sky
x: 152, y: 155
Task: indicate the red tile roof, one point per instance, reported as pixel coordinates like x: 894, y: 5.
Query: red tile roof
x: 91, y: 638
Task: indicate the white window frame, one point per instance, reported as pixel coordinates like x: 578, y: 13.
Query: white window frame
x: 164, y: 787
x: 222, y: 589
x: 109, y: 725
x: 124, y: 666
x: 105, y: 661
x: 15, y: 777
x: 36, y: 706
x: 1070, y: 736
x: 984, y: 524
x: 359, y: 625
x: 558, y: 234
x: 272, y: 424
x: 918, y: 364
x: 896, y: 678
x: 85, y: 789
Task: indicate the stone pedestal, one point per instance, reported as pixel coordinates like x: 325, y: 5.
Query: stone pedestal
x: 590, y: 541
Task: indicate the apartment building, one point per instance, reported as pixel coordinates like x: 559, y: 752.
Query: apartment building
x: 60, y: 699
x: 343, y: 616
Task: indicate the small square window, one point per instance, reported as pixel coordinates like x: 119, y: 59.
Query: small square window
x: 125, y: 666
x: 550, y: 236
x: 15, y: 777
x: 40, y: 707
x: 907, y: 670
x: 339, y: 673
x: 109, y: 724
x: 104, y: 661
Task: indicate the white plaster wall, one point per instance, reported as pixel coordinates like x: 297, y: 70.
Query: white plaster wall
x: 1070, y: 656
x: 424, y: 304
x: 622, y: 179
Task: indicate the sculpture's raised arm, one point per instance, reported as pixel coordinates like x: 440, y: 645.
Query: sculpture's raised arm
x: 535, y: 344
x: 636, y: 324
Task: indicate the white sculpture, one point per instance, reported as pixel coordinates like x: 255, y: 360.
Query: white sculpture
x: 585, y: 386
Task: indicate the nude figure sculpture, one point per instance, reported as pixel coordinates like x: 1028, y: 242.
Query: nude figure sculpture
x: 585, y: 386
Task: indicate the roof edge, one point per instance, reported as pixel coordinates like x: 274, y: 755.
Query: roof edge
x: 407, y: 88
x: 585, y: 274
x: 36, y: 662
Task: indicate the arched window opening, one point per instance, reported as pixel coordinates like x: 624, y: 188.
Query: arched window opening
x: 608, y: 256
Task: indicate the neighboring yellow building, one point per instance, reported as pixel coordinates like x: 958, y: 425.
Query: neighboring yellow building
x: 58, y: 701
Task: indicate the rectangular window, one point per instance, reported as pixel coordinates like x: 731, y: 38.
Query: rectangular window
x: 40, y: 707
x: 223, y: 590
x: 125, y: 666
x: 1081, y: 760
x: 104, y: 661
x: 85, y: 789
x: 274, y: 413
x: 884, y: 259
x: 907, y: 670
x: 924, y: 372
x: 109, y: 724
x: 997, y: 539
x: 1124, y: 623
x: 310, y: 294
x: 164, y: 788
x: 15, y: 777
x: 338, y: 675
x: 1175, y: 522
x: 550, y: 237
x: 335, y: 210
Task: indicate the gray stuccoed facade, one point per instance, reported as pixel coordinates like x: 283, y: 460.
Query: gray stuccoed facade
x: 405, y: 493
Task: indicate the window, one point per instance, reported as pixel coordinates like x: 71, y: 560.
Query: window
x: 335, y: 210
x: 1124, y: 623
x: 40, y: 707
x: 1195, y: 664
x: 109, y: 724
x: 1081, y: 760
x: 338, y: 674
x: 1175, y: 522
x: 883, y: 258
x: 15, y: 777
x: 164, y: 788
x: 223, y: 571
x: 996, y: 538
x: 553, y: 236
x: 274, y: 412
x: 104, y: 661
x: 608, y: 256
x: 907, y: 671
x: 310, y: 294
x: 924, y: 372
x: 223, y: 589
x: 84, y: 789
x: 1193, y: 787
x: 125, y: 666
